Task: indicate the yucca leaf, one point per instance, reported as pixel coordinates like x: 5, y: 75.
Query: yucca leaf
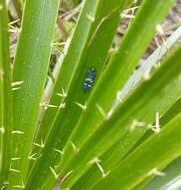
x: 75, y: 2
x: 119, y: 68
x: 146, y: 160
x: 128, y: 124
x: 72, y: 55
x: 101, y: 35
x: 126, y: 62
x: 54, y: 131
x: 98, y: 44
x: 172, y: 112
x: 171, y: 180
x: 6, y: 109
x: 150, y: 62
x: 71, y: 59
x: 29, y: 74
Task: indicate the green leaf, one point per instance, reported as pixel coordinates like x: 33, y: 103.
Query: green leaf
x: 124, y: 128
x: 172, y: 112
x: 73, y: 52
x: 30, y: 70
x: 150, y: 62
x: 119, y: 69
x: 6, y: 109
x: 120, y: 63
x: 78, y: 60
x: 75, y: 2
x: 71, y: 59
x: 171, y: 180
x: 98, y: 44
x: 146, y: 160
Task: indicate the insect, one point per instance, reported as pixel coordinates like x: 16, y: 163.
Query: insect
x: 91, y: 74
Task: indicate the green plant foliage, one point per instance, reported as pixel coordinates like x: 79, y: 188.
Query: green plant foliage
x: 86, y: 119
x: 6, y: 106
x: 130, y: 119
x: 138, y: 166
x: 104, y: 28
x: 29, y: 73
x: 120, y: 63
x: 171, y: 178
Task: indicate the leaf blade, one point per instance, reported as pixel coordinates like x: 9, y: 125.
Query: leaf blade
x: 6, y: 109
x: 104, y: 30
x: 171, y: 179
x: 136, y: 106
x: 105, y: 85
x: 30, y: 69
x: 148, y: 163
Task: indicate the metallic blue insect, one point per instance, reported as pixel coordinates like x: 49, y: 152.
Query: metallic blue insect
x: 91, y: 74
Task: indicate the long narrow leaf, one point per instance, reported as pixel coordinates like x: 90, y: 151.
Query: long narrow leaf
x: 150, y: 62
x: 98, y: 45
x: 120, y: 68
x: 6, y: 109
x: 153, y: 155
x: 106, y: 89
x: 173, y: 111
x: 124, y: 126
x: 171, y: 180
x: 30, y: 69
x: 70, y: 61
